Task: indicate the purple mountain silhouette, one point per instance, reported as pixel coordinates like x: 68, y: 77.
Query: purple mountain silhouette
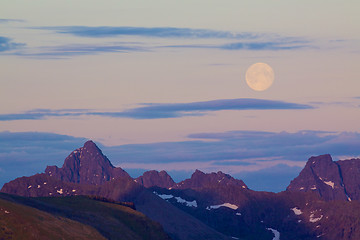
x: 86, y: 165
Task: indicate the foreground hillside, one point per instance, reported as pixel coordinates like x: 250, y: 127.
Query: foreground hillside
x: 18, y: 221
x: 76, y: 217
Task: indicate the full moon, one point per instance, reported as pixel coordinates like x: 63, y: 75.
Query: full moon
x: 259, y: 76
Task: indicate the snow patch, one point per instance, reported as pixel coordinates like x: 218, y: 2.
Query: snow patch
x: 243, y: 187
x: 45, y: 183
x: 178, y: 199
x: 301, y: 188
x: 314, y: 219
x: 7, y: 212
x: 330, y: 183
x: 235, y: 238
x: 296, y: 210
x: 348, y: 198
x: 228, y: 205
x: 188, y: 203
x: 275, y: 232
x: 164, y: 196
x: 60, y: 191
x: 73, y: 190
x: 38, y: 186
x: 313, y: 187
x: 239, y: 214
x: 29, y: 186
x: 50, y: 193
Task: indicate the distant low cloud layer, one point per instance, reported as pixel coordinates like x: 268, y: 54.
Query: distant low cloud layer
x: 7, y: 20
x: 64, y: 51
x: 259, y: 158
x: 160, y: 32
x: 275, y: 45
x: 7, y: 44
x: 223, y: 40
x: 163, y: 110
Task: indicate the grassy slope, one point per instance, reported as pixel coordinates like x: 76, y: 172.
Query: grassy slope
x: 113, y: 221
x: 22, y: 222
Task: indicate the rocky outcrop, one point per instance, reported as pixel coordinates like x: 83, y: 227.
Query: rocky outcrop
x: 210, y: 180
x: 155, y: 179
x: 330, y: 180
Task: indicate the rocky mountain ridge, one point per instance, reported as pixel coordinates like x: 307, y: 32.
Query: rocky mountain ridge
x: 214, y: 205
x: 339, y: 180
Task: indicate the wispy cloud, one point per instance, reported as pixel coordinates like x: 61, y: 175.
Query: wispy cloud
x: 270, y: 45
x: 191, y: 38
x: 275, y: 45
x: 264, y: 160
x: 239, y: 147
x: 7, y: 44
x: 159, y: 32
x: 65, y: 51
x: 8, y: 20
x: 163, y: 110
x: 37, y: 114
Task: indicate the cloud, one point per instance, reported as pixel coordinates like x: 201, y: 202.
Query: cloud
x: 6, y: 44
x: 163, y: 110
x: 64, y: 51
x: 275, y: 45
x: 159, y: 32
x: 4, y: 20
x: 239, y: 148
x: 254, y: 156
x: 37, y: 114
x: 189, y: 36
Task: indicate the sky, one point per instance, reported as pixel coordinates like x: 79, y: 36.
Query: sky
x: 161, y: 85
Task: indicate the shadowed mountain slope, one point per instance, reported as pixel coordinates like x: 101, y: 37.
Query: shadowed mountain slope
x: 330, y: 180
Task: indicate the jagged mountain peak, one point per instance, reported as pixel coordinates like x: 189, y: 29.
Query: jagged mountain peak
x: 154, y: 178
x: 90, y: 144
x: 86, y: 165
x: 200, y: 179
x: 89, y: 155
x: 320, y: 161
x: 322, y: 176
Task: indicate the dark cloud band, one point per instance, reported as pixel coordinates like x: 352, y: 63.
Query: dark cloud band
x: 164, y: 110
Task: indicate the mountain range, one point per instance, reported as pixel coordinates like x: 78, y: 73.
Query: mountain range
x: 321, y: 203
